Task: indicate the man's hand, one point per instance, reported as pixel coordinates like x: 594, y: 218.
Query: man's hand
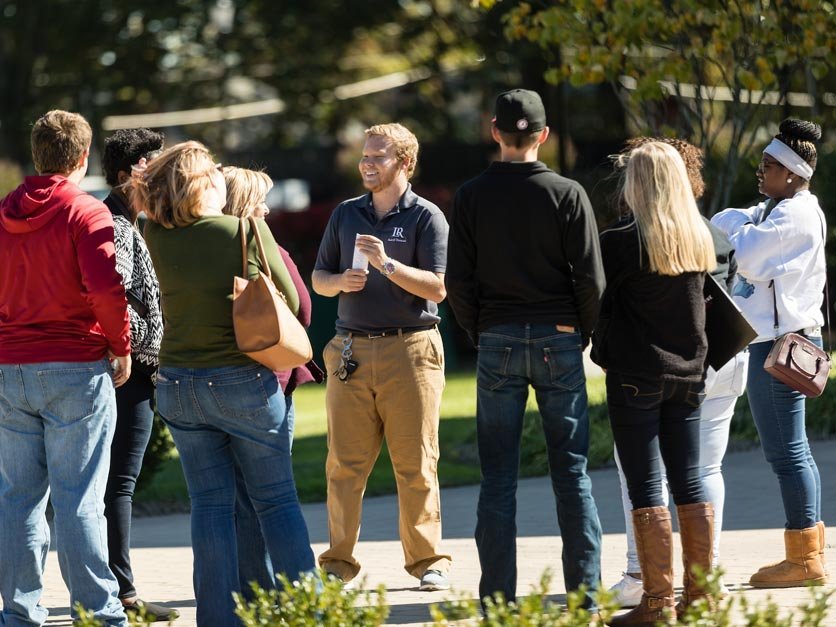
x: 121, y: 369
x: 372, y: 247
x: 353, y: 280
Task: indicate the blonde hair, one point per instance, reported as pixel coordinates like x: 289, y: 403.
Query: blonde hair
x: 171, y: 189
x: 658, y: 192
x: 405, y: 143
x: 245, y: 190
x: 59, y: 139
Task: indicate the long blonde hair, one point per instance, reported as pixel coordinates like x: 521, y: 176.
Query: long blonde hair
x: 245, y: 190
x: 171, y: 189
x: 658, y: 192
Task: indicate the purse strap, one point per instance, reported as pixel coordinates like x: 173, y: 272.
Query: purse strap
x: 826, y: 291
x: 265, y: 267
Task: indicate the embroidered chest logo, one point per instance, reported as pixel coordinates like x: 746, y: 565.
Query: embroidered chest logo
x: 397, y: 235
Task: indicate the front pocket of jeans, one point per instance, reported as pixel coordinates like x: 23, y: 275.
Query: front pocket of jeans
x: 242, y: 398
x: 71, y: 392
x: 565, y: 367
x: 492, y: 366
x: 168, y: 398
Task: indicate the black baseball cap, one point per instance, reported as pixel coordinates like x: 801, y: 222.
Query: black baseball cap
x: 519, y: 111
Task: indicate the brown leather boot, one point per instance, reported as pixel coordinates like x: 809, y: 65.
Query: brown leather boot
x: 820, y: 526
x: 802, y: 565
x: 696, y: 530
x: 654, y: 544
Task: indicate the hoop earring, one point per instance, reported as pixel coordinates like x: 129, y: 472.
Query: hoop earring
x: 789, y: 181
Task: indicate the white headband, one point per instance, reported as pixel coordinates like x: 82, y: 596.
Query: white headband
x: 788, y: 158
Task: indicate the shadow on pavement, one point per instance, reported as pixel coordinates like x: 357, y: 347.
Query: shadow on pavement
x: 753, y: 501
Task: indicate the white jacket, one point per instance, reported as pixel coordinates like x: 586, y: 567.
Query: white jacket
x: 788, y: 248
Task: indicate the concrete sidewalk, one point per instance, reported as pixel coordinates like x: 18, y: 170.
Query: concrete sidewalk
x: 753, y: 536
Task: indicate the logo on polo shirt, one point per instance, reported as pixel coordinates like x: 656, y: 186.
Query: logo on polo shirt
x: 397, y: 235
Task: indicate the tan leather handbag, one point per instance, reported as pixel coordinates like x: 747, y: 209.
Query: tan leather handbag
x: 266, y: 330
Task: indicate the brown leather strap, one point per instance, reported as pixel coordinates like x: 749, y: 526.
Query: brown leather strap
x: 265, y: 267
x: 242, y: 224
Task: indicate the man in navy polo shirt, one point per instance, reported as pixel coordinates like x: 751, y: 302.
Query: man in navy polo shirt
x: 386, y: 361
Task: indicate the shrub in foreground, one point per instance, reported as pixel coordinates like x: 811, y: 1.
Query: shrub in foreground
x: 310, y: 603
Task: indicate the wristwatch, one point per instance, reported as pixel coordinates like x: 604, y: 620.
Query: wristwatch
x: 388, y: 267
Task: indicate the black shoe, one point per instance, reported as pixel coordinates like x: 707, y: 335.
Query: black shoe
x: 154, y: 612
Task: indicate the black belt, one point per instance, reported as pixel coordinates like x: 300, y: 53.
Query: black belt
x: 384, y: 332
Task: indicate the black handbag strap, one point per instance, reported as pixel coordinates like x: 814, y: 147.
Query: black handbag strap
x: 826, y: 291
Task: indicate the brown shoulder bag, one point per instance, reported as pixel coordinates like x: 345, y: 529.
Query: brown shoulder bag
x: 796, y: 361
x: 266, y: 330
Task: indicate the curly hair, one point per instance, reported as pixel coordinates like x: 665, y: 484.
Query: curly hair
x: 691, y: 155
x: 125, y: 148
x: 801, y: 135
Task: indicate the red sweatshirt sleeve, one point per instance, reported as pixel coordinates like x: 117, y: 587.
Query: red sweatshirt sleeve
x: 304, y: 315
x: 96, y: 254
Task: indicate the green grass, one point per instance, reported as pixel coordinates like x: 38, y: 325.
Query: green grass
x: 459, y: 463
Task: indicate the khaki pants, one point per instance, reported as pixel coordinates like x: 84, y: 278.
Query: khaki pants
x: 395, y: 393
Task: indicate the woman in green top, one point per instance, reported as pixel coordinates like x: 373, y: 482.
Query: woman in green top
x: 223, y: 409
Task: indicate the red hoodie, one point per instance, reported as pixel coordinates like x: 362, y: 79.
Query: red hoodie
x: 61, y: 298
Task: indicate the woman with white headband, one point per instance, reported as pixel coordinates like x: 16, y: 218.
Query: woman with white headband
x: 781, y: 269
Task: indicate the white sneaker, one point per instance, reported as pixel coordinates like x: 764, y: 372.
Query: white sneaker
x: 628, y: 591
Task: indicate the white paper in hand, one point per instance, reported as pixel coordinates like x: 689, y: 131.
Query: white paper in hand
x: 360, y: 261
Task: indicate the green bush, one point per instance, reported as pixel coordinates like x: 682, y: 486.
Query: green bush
x: 534, y: 610
x: 160, y: 449
x: 820, y: 420
x: 10, y: 176
x: 310, y: 603
x: 135, y: 618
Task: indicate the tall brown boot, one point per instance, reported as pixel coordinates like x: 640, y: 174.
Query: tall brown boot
x: 654, y: 544
x: 696, y: 530
x: 802, y: 565
x: 820, y: 526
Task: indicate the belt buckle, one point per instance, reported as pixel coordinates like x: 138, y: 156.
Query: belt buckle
x: 378, y: 334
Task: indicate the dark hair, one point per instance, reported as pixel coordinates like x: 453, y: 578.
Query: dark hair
x: 519, y: 140
x: 800, y: 135
x: 125, y: 148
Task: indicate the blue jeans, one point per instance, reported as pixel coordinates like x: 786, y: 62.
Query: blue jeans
x: 512, y: 357
x: 253, y: 559
x: 222, y: 419
x: 56, y: 424
x: 778, y: 411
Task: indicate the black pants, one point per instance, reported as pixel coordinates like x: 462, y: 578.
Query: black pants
x: 654, y: 420
x: 134, y: 419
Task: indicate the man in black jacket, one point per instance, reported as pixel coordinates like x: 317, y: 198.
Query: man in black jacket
x: 524, y: 279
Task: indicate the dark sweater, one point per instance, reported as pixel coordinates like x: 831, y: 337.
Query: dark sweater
x: 651, y: 325
x: 523, y: 248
